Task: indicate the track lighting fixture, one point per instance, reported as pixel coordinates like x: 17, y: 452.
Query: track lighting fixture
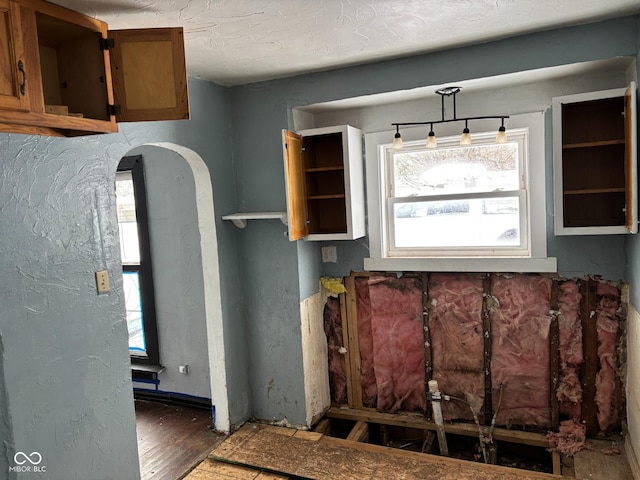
x: 465, y: 139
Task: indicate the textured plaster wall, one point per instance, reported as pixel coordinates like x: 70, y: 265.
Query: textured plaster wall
x: 66, y: 365
x: 259, y: 112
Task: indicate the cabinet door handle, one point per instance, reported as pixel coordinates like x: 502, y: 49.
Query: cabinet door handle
x: 23, y: 85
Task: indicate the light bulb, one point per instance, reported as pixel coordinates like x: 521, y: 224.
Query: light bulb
x: 465, y: 139
x: 397, y: 141
x: 432, y: 141
x: 502, y: 135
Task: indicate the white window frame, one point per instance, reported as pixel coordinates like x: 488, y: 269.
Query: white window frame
x: 534, y: 259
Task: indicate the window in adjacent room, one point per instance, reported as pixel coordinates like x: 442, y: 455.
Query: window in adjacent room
x: 136, y: 261
x: 458, y: 200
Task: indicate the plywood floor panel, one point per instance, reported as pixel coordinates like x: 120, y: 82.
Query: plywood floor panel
x: 279, y: 450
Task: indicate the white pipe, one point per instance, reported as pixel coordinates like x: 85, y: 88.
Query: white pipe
x: 436, y: 398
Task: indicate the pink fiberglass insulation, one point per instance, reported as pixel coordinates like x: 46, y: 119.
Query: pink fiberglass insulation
x: 333, y: 331
x: 570, y: 439
x: 365, y: 340
x: 455, y: 328
x: 398, y: 343
x: 520, y: 323
x: 569, y: 391
x: 608, y: 386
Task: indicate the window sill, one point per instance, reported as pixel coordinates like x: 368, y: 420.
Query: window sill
x: 137, y: 367
x: 501, y: 264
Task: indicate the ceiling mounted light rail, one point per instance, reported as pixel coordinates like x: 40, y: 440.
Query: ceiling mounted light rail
x: 465, y: 139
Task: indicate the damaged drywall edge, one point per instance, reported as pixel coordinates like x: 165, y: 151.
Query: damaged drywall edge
x: 314, y: 357
x: 633, y: 389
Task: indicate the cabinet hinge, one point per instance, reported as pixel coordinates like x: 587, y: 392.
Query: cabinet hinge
x: 107, y: 43
x: 113, y: 109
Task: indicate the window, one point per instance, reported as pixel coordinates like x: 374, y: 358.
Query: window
x: 459, y: 208
x: 458, y: 200
x: 136, y: 261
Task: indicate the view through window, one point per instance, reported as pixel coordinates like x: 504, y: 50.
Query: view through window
x: 130, y: 253
x: 137, y: 277
x: 458, y: 200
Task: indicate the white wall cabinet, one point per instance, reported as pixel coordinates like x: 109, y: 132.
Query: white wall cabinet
x: 595, y: 162
x: 324, y: 183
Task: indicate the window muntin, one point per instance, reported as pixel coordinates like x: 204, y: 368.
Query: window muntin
x: 458, y: 200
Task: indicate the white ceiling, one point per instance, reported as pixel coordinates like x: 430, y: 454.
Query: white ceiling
x: 234, y: 42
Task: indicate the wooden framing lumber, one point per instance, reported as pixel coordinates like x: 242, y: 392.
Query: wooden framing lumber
x: 555, y: 460
x: 428, y: 360
x: 487, y: 338
x: 418, y: 422
x: 345, y: 344
x: 352, y: 344
x: 588, y: 306
x: 554, y: 357
x: 359, y: 433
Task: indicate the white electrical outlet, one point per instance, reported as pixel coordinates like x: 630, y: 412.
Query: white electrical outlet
x: 184, y: 369
x: 329, y: 255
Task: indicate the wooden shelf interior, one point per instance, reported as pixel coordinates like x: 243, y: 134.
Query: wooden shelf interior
x: 72, y: 67
x: 593, y: 171
x: 324, y: 177
x: 593, y: 121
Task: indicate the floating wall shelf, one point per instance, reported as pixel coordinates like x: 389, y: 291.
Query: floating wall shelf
x: 240, y: 219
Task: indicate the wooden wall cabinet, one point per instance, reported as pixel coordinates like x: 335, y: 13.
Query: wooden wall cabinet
x: 595, y: 162
x: 325, y: 183
x: 66, y: 74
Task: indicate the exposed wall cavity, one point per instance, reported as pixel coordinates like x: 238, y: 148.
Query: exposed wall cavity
x: 508, y: 347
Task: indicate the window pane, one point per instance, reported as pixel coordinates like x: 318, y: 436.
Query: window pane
x: 133, y: 307
x: 480, y: 222
x: 127, y: 222
x: 446, y: 171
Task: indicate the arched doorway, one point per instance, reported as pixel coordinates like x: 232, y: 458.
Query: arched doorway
x: 192, y: 171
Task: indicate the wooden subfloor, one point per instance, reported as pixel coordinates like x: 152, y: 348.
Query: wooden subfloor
x: 172, y: 440
x: 603, y: 460
x: 260, y: 452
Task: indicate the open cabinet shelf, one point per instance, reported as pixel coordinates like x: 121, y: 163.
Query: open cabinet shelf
x: 325, y: 183
x: 594, y: 139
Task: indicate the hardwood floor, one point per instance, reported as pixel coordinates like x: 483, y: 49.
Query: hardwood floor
x: 172, y: 440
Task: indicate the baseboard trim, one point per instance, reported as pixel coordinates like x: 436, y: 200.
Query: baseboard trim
x: 173, y: 398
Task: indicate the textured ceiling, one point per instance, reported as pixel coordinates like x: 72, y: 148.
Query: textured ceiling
x: 233, y: 42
